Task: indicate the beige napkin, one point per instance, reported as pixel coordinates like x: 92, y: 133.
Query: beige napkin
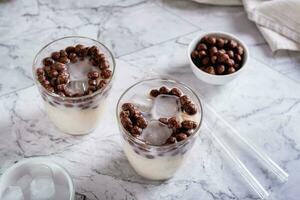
x: 278, y: 20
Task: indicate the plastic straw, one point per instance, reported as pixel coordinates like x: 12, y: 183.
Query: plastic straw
x: 266, y: 160
x: 242, y: 169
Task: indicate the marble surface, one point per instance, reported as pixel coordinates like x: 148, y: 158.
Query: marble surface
x: 149, y: 38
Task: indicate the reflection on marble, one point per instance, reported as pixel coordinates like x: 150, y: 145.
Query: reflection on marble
x: 150, y: 38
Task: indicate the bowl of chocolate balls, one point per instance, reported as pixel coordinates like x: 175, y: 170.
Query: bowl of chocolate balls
x: 217, y: 58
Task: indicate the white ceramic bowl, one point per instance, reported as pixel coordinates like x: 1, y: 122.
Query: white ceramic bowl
x: 216, y: 79
x: 17, y: 170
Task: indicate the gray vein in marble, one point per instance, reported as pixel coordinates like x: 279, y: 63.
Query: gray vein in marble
x: 123, y: 56
x: 101, y: 4
x: 258, y: 110
x: 291, y: 142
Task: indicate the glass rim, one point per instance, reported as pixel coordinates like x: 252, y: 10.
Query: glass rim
x: 166, y: 146
x: 54, y: 95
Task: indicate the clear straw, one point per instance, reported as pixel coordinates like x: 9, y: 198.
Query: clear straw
x: 242, y: 169
x: 266, y: 160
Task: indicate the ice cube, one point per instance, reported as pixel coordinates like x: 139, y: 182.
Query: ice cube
x: 78, y: 76
x: 24, y: 181
x: 156, y: 133
x: 42, y: 188
x: 79, y: 86
x: 13, y: 193
x: 166, y: 106
x: 143, y: 103
x: 80, y: 69
x: 24, y: 184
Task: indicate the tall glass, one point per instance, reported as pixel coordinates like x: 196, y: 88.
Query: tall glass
x: 74, y: 115
x: 151, y: 161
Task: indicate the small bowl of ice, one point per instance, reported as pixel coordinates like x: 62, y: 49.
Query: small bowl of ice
x: 36, y: 179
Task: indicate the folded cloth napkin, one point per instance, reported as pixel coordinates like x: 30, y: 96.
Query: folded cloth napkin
x: 278, y: 20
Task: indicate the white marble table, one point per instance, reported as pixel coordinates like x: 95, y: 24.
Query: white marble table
x: 148, y: 37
